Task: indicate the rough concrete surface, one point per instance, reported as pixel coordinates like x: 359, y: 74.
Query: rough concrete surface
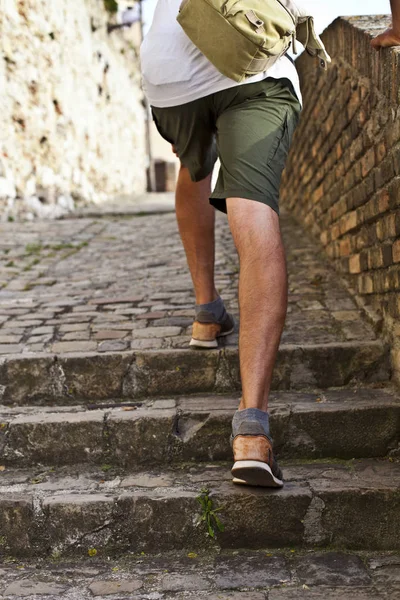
x: 164, y: 431
x: 244, y: 575
x: 351, y: 504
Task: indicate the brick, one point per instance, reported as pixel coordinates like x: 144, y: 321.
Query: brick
x: 324, y: 238
x: 348, y: 222
x: 396, y: 251
x: 383, y: 201
x: 392, y: 279
x: 380, y: 257
x: 353, y: 104
x: 396, y: 161
x: 387, y: 255
x: 386, y: 227
x: 394, y: 192
x: 318, y: 194
x: 380, y: 152
x: 344, y: 247
x: 375, y: 258
x: 355, y: 264
x: 362, y: 117
x: 366, y: 285
x: 368, y: 162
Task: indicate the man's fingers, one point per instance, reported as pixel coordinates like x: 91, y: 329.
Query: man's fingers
x: 376, y: 43
x: 386, y: 39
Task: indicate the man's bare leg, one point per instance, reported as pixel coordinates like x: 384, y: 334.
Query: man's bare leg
x: 262, y: 295
x: 196, y: 222
x: 263, y: 304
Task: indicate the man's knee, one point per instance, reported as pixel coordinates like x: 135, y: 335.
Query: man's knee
x: 185, y: 175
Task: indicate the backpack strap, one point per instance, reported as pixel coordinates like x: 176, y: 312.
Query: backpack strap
x: 305, y: 33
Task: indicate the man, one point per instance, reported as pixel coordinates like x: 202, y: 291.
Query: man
x: 390, y: 37
x: 249, y: 126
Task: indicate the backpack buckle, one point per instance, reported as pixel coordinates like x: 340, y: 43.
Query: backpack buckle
x: 256, y: 21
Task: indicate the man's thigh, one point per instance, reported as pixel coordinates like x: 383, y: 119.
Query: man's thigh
x: 190, y: 129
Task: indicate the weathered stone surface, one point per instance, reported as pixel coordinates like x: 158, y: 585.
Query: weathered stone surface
x: 176, y: 576
x: 322, y: 425
x: 108, y: 588
x: 333, y: 569
x: 66, y: 379
x: 315, y: 292
x: 79, y: 166
x: 112, y: 334
x: 55, y: 438
x: 112, y: 346
x: 272, y: 518
x: 10, y: 348
x: 116, y: 300
x: 251, y: 571
x: 176, y: 582
x: 141, y: 437
x: 115, y: 516
x: 385, y: 570
x: 157, y: 332
x: 77, y: 346
x: 16, y: 517
x: 10, y: 339
x: 27, y: 587
x: 222, y: 595
x: 96, y: 376
x: 175, y: 371
x: 352, y: 527
x: 70, y: 518
x: 325, y: 594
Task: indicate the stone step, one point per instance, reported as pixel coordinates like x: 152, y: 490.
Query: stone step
x: 349, y: 505
x: 244, y: 575
x: 344, y: 423
x: 70, y: 378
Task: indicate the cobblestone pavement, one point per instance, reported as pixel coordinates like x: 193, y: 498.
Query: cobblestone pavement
x: 121, y: 283
x: 266, y: 575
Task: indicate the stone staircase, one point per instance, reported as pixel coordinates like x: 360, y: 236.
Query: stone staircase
x: 118, y: 454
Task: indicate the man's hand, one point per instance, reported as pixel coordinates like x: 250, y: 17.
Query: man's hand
x: 388, y: 38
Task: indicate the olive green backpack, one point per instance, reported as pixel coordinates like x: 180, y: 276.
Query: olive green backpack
x: 245, y: 37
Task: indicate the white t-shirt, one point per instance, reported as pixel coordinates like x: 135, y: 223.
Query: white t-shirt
x: 176, y: 72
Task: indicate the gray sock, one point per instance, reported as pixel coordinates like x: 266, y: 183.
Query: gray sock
x: 250, y: 421
x: 216, y: 308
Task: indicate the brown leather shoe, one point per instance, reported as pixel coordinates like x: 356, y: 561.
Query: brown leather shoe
x: 255, y: 463
x: 206, y: 330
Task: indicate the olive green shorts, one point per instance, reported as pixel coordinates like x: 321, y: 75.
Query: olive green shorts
x: 248, y: 127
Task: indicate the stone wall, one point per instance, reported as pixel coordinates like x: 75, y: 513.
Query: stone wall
x: 343, y: 176
x: 71, y: 114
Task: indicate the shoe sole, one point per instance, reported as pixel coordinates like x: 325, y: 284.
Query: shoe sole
x: 209, y: 343
x: 254, y: 472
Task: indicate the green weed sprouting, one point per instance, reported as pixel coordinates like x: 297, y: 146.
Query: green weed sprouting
x: 209, y: 516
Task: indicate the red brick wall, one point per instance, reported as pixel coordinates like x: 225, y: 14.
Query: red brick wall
x: 342, y: 179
